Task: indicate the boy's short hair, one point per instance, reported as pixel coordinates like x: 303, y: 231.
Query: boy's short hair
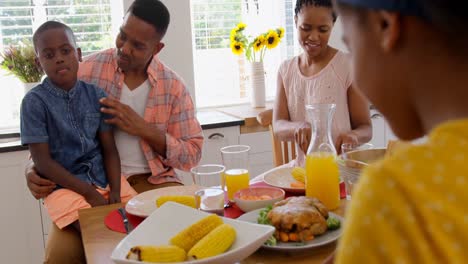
x: 153, y: 12
x: 51, y: 25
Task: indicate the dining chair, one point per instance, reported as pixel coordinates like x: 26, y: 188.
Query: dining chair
x: 283, y: 151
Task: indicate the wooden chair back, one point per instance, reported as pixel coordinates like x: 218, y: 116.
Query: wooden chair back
x: 283, y: 151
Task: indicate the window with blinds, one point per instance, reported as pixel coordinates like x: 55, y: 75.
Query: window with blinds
x: 221, y: 78
x: 213, y: 21
x: 90, y: 20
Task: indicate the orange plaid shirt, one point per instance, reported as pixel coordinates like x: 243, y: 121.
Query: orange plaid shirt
x: 169, y: 107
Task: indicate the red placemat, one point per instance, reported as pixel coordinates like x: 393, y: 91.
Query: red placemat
x: 114, y: 221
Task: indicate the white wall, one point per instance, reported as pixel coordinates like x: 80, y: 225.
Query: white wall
x: 335, y: 38
x: 178, y: 52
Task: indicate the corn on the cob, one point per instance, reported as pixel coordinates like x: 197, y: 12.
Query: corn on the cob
x: 298, y: 174
x: 157, y: 253
x: 216, y: 242
x: 187, y: 200
x: 188, y: 237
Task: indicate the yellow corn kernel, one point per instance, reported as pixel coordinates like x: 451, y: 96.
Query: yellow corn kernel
x: 187, y: 200
x: 157, y: 254
x: 298, y: 174
x: 216, y: 242
x: 188, y: 237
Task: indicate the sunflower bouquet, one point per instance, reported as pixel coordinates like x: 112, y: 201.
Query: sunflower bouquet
x: 255, y: 49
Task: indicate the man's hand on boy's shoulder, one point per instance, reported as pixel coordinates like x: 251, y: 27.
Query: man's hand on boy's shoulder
x: 123, y: 116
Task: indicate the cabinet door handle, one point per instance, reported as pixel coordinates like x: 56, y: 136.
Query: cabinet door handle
x: 376, y: 116
x: 216, y: 136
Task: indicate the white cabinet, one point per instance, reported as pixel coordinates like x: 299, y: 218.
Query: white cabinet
x: 214, y: 140
x: 261, y: 152
x: 21, y: 237
x: 46, y: 222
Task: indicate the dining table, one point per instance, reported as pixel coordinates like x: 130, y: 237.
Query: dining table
x: 99, y: 241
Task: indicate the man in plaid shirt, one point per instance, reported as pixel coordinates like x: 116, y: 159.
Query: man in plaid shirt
x: 153, y: 112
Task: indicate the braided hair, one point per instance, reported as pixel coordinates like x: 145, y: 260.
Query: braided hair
x: 317, y: 3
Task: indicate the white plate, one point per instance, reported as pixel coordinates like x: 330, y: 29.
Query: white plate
x: 282, y: 178
x: 171, y: 218
x: 318, y: 241
x: 145, y: 203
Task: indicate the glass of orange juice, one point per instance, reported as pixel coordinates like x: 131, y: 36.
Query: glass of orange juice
x: 236, y: 176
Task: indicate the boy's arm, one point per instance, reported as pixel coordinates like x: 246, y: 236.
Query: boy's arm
x: 111, y: 163
x: 45, y: 165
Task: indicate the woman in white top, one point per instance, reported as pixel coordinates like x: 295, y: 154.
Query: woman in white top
x: 320, y: 74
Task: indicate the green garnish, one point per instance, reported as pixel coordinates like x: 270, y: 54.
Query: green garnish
x: 333, y: 223
x: 263, y: 219
x: 262, y: 216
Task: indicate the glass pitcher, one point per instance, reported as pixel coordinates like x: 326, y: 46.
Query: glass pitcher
x: 322, y: 174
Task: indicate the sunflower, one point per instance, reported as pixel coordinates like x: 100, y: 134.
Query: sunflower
x: 280, y: 32
x: 272, y: 39
x: 232, y: 35
x: 241, y: 26
x: 237, y: 47
x: 258, y: 43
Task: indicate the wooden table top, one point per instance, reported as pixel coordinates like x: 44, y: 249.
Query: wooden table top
x: 99, y: 241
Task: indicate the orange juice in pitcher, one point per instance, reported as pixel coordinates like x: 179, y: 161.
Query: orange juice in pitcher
x: 322, y: 174
x: 322, y: 179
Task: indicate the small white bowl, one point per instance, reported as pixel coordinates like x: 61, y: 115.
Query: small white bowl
x: 275, y: 194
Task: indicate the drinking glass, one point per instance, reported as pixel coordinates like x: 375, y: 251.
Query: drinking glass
x: 349, y: 147
x: 210, y: 200
x: 209, y: 175
x: 350, y: 169
x: 236, y: 176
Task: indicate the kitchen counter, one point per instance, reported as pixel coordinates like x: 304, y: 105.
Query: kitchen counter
x: 244, y: 116
x: 215, y: 119
x: 11, y: 142
x: 249, y: 115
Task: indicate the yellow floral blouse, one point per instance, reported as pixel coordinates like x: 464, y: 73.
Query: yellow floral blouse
x: 412, y: 207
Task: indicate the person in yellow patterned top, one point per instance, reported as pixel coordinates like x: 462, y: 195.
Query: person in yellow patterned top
x: 410, y: 59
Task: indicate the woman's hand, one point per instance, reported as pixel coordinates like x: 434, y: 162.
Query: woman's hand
x: 302, y: 139
x: 38, y: 186
x: 349, y: 137
x: 302, y: 136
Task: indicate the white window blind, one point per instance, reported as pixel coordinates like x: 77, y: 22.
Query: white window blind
x: 89, y: 19
x: 221, y: 78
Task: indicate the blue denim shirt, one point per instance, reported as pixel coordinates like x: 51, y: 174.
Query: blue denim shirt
x: 69, y: 122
